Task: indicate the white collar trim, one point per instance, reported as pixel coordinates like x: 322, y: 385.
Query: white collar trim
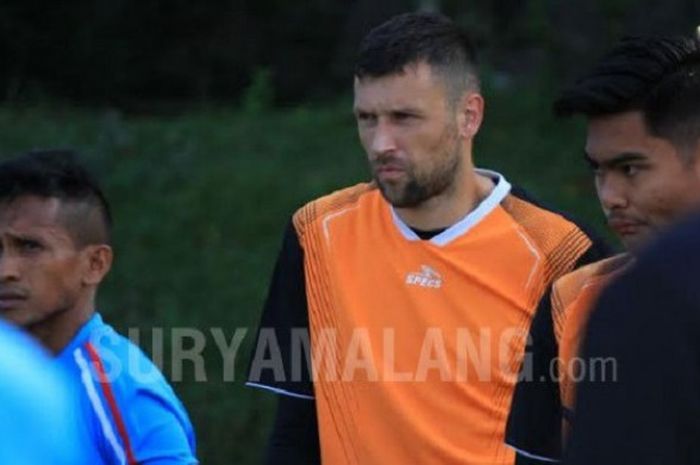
x: 474, y: 217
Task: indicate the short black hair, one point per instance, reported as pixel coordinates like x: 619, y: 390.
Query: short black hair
x: 412, y: 38
x: 56, y: 173
x: 658, y: 76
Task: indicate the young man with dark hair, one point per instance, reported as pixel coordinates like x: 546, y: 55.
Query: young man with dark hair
x: 55, y: 228
x: 417, y: 287
x: 642, y: 103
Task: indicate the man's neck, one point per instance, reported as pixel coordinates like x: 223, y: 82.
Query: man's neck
x: 58, y: 331
x: 446, y: 209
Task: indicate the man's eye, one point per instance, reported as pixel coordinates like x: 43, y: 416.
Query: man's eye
x: 29, y: 245
x: 402, y: 116
x: 629, y: 170
x: 365, y: 117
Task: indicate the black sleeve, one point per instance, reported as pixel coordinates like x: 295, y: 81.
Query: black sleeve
x: 645, y: 407
x: 280, y: 356
x: 277, y: 366
x: 294, y: 439
x: 534, y: 426
x: 534, y: 423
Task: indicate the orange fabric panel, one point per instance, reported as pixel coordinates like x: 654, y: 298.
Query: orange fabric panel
x: 561, y: 241
x: 416, y: 346
x: 573, y: 298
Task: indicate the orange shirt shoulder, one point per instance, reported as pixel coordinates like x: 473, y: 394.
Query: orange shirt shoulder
x: 573, y: 297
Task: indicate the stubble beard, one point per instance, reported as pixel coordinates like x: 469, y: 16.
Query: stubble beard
x: 416, y: 189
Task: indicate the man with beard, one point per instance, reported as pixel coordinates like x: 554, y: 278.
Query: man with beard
x: 415, y: 289
x: 642, y: 101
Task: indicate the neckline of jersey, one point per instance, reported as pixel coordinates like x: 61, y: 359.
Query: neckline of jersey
x: 473, y: 218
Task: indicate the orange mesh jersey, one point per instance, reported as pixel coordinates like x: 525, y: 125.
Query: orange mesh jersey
x: 417, y: 343
x: 573, y: 298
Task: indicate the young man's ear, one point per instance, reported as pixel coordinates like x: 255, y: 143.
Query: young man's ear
x: 471, y: 114
x: 98, y: 262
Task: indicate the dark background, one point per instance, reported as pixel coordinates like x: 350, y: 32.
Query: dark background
x: 141, y: 54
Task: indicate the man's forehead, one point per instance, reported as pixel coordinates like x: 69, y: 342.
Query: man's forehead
x: 398, y: 89
x: 620, y: 133
x: 31, y: 212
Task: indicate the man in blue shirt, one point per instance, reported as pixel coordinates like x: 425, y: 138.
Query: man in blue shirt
x: 33, y: 406
x: 55, y: 249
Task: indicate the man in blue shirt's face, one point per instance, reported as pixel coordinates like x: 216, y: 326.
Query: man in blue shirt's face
x: 47, y: 280
x: 54, y: 252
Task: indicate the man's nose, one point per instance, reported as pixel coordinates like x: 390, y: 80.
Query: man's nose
x: 383, y: 139
x: 9, y: 268
x: 611, y: 193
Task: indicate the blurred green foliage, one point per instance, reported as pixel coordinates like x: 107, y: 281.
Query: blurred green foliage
x: 201, y: 201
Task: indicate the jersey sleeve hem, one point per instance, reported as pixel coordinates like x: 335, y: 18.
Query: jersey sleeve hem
x: 531, y: 455
x: 282, y: 392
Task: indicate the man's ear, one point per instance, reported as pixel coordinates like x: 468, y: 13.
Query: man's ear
x: 98, y: 262
x: 470, y: 114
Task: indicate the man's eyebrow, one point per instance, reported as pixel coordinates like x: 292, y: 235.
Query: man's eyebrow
x: 23, y: 236
x: 410, y: 109
x: 625, y: 157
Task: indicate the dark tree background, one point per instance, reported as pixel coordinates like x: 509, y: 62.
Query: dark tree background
x: 139, y: 52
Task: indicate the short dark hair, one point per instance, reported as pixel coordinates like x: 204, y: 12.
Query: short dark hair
x: 658, y: 76
x: 56, y: 173
x: 411, y: 38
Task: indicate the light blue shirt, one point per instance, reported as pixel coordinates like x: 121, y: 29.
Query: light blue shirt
x: 127, y: 411
x: 34, y: 406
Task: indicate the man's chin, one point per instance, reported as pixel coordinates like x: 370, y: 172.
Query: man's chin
x: 400, y: 201
x: 402, y: 196
x: 392, y: 194
x: 14, y: 318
